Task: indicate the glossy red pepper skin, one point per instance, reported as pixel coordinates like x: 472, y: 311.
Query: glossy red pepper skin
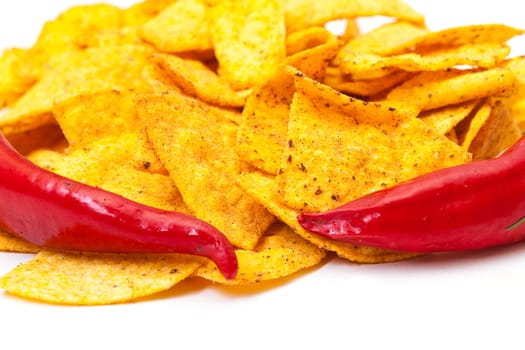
x: 466, y: 207
x: 58, y: 213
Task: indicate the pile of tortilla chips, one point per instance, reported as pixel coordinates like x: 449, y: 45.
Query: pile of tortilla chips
x: 245, y: 113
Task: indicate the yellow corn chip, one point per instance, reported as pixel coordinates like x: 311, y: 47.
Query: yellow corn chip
x: 93, y: 279
x: 468, y: 128
x: 77, y: 72
x: 302, y: 14
x: 195, y: 79
x: 486, y: 55
x: 384, y: 40
x: 180, y: 27
x: 341, y: 148
x: 249, y: 40
x: 444, y: 119
x: 181, y: 128
x: 13, y: 83
x: 429, y: 90
x: 280, y: 253
x: 89, y: 118
x: 141, y: 12
x: 498, y: 133
x: 364, y: 88
x: 262, y: 133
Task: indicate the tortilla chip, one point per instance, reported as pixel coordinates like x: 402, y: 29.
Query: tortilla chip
x: 141, y: 12
x: 264, y: 124
x: 469, y: 127
x: 181, y: 128
x: 195, y: 79
x: 90, y: 118
x: 62, y: 33
x: 429, y: 90
x: 263, y: 188
x: 498, y: 133
x: 311, y: 50
x: 341, y: 148
x: 113, y: 37
x: 486, y: 55
x: 280, y: 253
x: 94, y: 279
x: 384, y: 40
x: 364, y: 88
x: 249, y: 40
x: 444, y: 119
x: 301, y: 14
x: 74, y: 73
x: 13, y: 83
x: 180, y: 27
x: 262, y: 133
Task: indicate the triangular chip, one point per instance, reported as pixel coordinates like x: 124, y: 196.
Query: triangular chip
x: 429, y: 90
x: 78, y: 72
x: 182, y: 26
x: 94, y: 279
x: 340, y: 148
x: 249, y: 40
x: 196, y: 144
x: 301, y: 14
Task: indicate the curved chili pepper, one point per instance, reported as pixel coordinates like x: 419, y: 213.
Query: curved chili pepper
x: 58, y: 213
x: 466, y: 207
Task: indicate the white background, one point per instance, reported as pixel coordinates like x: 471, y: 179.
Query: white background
x: 469, y: 301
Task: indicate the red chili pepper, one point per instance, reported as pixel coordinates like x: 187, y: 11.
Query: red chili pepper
x: 466, y: 207
x: 58, y: 213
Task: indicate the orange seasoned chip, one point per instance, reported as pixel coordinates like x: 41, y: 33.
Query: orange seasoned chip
x: 182, y: 26
x: 364, y: 87
x: 181, y: 128
x: 301, y: 14
x: 499, y: 132
x: 94, y: 279
x: 262, y: 133
x: 384, y: 40
x: 280, y: 253
x: 91, y: 118
x: 141, y: 12
x: 430, y: 90
x: 340, y: 148
x: 196, y: 79
x: 13, y: 82
x: 74, y: 73
x: 444, y: 119
x: 468, y: 128
x: 486, y: 55
x: 70, y: 30
x: 249, y: 40
x: 264, y: 123
x: 106, y: 164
